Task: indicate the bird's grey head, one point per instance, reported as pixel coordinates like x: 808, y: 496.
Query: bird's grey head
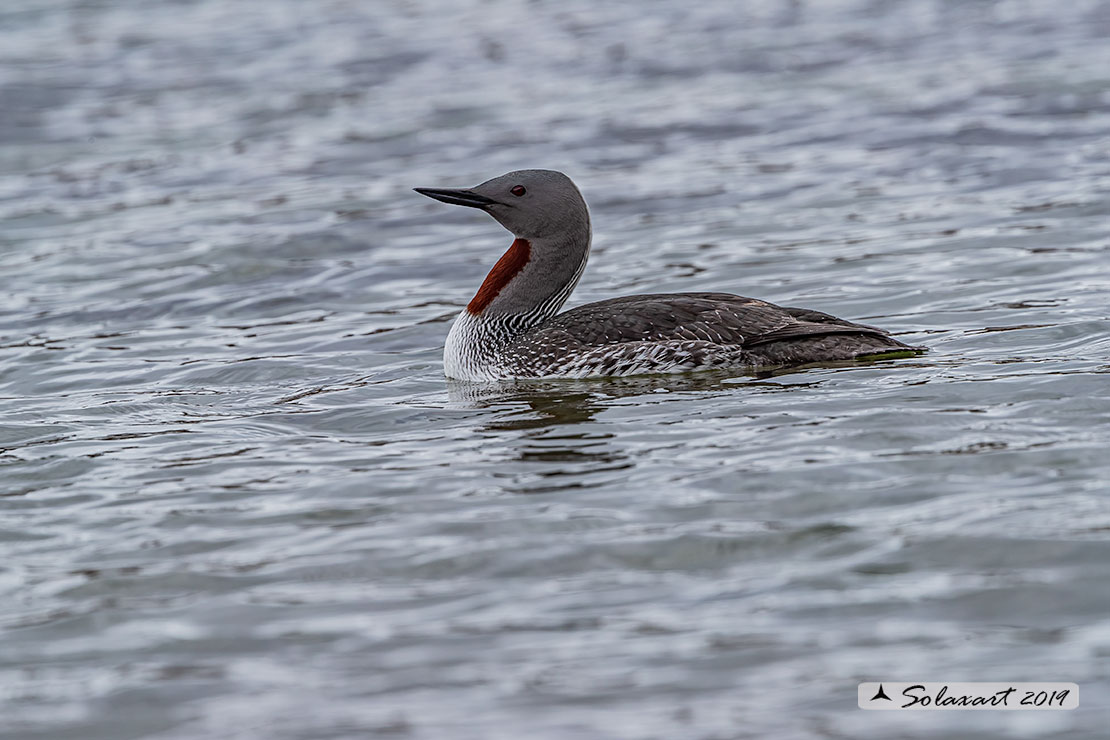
x: 532, y: 204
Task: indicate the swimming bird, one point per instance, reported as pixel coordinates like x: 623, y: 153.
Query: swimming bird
x: 512, y: 327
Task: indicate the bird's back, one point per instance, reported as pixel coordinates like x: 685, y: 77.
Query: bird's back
x: 685, y: 331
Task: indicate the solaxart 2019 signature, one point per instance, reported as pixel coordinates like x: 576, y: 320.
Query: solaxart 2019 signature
x: 917, y: 694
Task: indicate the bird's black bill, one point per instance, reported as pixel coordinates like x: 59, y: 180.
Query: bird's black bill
x: 457, y: 197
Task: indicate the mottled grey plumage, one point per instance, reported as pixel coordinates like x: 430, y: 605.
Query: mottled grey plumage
x: 687, y: 331
x: 517, y: 334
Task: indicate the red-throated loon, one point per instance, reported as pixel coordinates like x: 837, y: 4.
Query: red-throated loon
x: 512, y: 328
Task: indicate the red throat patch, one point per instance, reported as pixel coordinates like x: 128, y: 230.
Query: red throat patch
x: 510, y: 264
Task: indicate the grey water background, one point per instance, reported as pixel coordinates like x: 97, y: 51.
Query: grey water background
x: 239, y: 500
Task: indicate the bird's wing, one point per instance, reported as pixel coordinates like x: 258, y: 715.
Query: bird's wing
x: 719, y: 318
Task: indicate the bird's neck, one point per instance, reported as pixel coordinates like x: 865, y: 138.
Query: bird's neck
x: 511, y: 264
x: 531, y: 281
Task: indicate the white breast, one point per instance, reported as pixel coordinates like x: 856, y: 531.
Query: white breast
x: 467, y: 354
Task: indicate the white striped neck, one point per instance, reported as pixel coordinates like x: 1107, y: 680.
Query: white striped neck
x: 527, y: 286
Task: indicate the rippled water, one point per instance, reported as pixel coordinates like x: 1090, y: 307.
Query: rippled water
x: 240, y: 500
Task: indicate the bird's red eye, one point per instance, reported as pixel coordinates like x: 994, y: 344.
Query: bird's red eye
x: 518, y: 190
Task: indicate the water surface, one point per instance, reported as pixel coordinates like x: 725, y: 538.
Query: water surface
x: 240, y: 500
